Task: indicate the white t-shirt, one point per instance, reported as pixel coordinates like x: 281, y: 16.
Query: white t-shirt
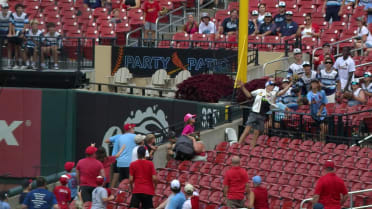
x: 344, y: 67
x: 367, y: 88
x: 260, y: 19
x: 207, y: 29
x: 135, y: 155
x: 97, y: 195
x: 187, y: 203
x: 364, y: 31
x: 259, y: 93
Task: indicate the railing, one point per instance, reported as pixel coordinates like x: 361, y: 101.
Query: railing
x: 351, y: 199
x: 284, y: 61
x: 132, y: 32
x: 198, y: 7
x: 171, y: 22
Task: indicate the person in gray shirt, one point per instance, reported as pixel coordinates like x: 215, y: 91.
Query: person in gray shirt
x: 99, y: 195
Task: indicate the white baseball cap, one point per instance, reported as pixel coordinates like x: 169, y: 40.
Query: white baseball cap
x: 281, y: 4
x: 139, y: 138
x: 288, y: 13
x: 297, y: 51
x: 268, y: 14
x: 254, y: 12
x: 306, y: 63
x: 175, y: 184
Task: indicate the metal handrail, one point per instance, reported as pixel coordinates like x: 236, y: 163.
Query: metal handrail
x: 335, y: 43
x: 363, y: 64
x: 170, y: 21
x: 271, y: 62
x: 351, y: 199
x: 198, y: 7
x: 130, y: 33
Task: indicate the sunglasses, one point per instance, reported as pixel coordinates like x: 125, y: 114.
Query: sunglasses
x: 329, y: 62
x: 307, y: 19
x: 354, y: 83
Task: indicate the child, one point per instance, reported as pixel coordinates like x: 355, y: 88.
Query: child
x: 172, y: 143
x: 115, y: 16
x: 99, y: 195
x: 52, y: 43
x: 72, y: 181
x: 26, y: 186
x: 150, y: 145
x: 33, y: 38
x: 63, y: 193
x: 189, y: 128
x: 140, y: 141
x: 4, y: 26
x: 152, y: 9
x: 4, y: 200
x: 18, y: 20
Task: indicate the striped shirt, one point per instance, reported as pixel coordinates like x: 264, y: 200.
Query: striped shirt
x: 334, y: 2
x: 328, y: 80
x: 288, y: 97
x: 33, y: 38
x: 295, y: 69
x: 52, y: 40
x: 367, y: 88
x: 305, y: 81
x: 4, y: 22
x: 19, y: 22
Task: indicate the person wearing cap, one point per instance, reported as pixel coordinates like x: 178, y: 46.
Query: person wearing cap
x: 289, y: 27
x: 364, y: 35
x: 235, y: 184
x: 264, y: 100
x: 252, y: 23
x: 107, y: 161
x: 192, y: 197
x: 230, y: 24
x: 319, y: 60
x: 178, y: 198
x: 142, y: 181
x: 267, y: 27
x: 367, y: 84
x: 306, y: 78
x: 87, y: 169
x: 63, y: 193
x: 4, y: 200
x: 189, y: 128
x: 358, y: 97
x: 140, y: 142
x: 26, y: 188
x: 345, y: 66
x: 170, y: 146
x: 330, y: 190
x: 261, y: 13
x: 296, y: 69
x: 309, y: 29
x: 206, y: 26
x: 258, y: 198
x: 100, y: 196
x: 280, y: 17
x: 287, y: 95
x: 40, y: 198
x: 329, y: 80
x: 191, y: 25
x: 72, y: 181
x: 333, y: 10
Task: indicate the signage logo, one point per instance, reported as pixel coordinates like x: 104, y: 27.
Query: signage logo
x: 6, y: 132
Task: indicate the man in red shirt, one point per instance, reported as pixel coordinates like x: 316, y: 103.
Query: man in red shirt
x: 63, y: 193
x: 326, y: 52
x: 87, y: 170
x: 330, y: 190
x: 258, y: 196
x: 143, y: 175
x: 235, y: 184
x: 152, y: 9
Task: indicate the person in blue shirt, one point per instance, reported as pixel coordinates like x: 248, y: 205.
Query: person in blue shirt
x: 280, y: 17
x: 268, y: 27
x: 288, y: 27
x: 368, y: 8
x: 4, y: 200
x: 333, y: 9
x: 178, y: 198
x: 252, y: 23
x: 92, y: 3
x: 317, y: 100
x: 40, y: 198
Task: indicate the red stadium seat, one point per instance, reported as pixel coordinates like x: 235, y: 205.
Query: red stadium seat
x: 200, y: 41
x: 290, y: 167
x: 205, y: 169
x: 181, y: 40
x: 216, y: 170
x: 277, y: 165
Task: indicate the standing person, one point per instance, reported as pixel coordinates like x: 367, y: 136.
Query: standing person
x: 280, y: 17
x: 230, y: 25
x: 264, y: 99
x: 261, y: 13
x: 4, y: 200
x: 333, y: 10
x: 267, y: 27
x: 289, y: 27
x: 4, y: 29
x: 330, y: 190
x: 189, y: 120
x: 150, y: 145
x: 326, y: 52
x: 26, y: 188
x: 206, y: 26
x: 258, y: 198
x: 191, y: 26
x: 235, y: 184
x: 306, y: 78
x: 288, y: 96
x: 107, y: 161
x: 63, y: 193
x: 99, y: 195
x: 192, y: 197
x: 72, y: 181
x: 87, y: 169
x: 151, y: 13
x: 132, y: 4
x: 309, y: 29
x: 40, y: 198
x: 329, y: 80
x: 252, y: 23
x: 52, y: 43
x: 178, y: 198
x: 142, y: 180
x: 296, y: 68
x: 33, y: 39
x: 93, y: 4
x: 317, y: 100
x: 345, y: 66
x: 140, y: 142
x: 367, y: 85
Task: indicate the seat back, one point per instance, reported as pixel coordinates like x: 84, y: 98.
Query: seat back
x: 122, y: 75
x: 231, y: 135
x: 181, y: 76
x: 160, y: 77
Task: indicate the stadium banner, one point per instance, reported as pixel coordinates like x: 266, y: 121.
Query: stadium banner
x: 210, y: 115
x: 20, y: 132
x: 100, y: 116
x: 143, y: 62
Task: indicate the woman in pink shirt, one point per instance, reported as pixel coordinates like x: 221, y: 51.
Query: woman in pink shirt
x: 191, y: 26
x: 189, y: 120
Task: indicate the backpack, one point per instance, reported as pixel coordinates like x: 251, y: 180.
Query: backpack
x: 184, y: 148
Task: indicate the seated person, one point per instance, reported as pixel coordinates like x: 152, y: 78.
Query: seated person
x: 252, y: 23
x: 115, y: 16
x: 306, y: 78
x: 33, y: 38
x: 364, y: 35
x: 329, y: 80
x: 230, y: 25
x: 92, y: 3
x: 191, y: 26
x: 357, y: 95
x: 309, y: 29
x: 52, y: 44
x: 289, y: 27
x: 132, y: 4
x: 206, y: 26
x: 268, y: 27
x: 367, y: 85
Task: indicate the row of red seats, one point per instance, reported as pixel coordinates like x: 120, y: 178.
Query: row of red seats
x: 210, y: 41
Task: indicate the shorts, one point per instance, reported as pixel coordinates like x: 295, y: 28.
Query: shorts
x: 368, y: 44
x: 16, y: 40
x: 144, y: 200
x: 30, y: 51
x: 332, y: 12
x: 124, y: 173
x: 86, y: 193
x: 235, y: 203
x: 256, y: 121
x: 115, y: 168
x: 150, y: 26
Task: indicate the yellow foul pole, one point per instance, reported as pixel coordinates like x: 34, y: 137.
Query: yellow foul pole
x: 243, y: 41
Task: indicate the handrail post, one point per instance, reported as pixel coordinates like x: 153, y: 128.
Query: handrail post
x: 286, y: 48
x: 351, y: 200
x: 79, y: 55
x: 94, y: 51
x: 156, y: 31
x: 256, y: 59
x: 198, y: 9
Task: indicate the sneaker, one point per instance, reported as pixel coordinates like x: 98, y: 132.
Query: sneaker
x: 56, y: 67
x: 23, y: 67
x: 10, y: 67
x: 44, y: 66
x: 16, y: 67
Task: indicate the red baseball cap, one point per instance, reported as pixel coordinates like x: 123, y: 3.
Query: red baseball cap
x: 99, y: 180
x: 129, y: 126
x: 90, y: 150
x: 329, y: 164
x: 69, y: 166
x: 63, y: 179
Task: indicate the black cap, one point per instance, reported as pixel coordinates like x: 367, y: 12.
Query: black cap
x: 326, y: 44
x: 141, y: 151
x: 3, y: 195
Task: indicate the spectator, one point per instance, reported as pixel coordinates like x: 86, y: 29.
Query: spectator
x: 358, y: 97
x: 258, y: 198
x: 189, y: 120
x: 63, y: 193
x: 33, y: 39
x: 26, y: 188
x: 127, y: 140
x: 264, y: 99
x: 72, y: 181
x: 368, y: 8
x: 19, y: 21
x: 367, y: 85
x: 4, y: 28
x: 107, y: 161
x: 364, y: 36
x: 308, y: 30
x: 87, y: 169
x: 333, y: 10
x: 252, y: 24
x: 288, y: 27
x: 261, y: 13
x: 132, y: 4
x: 192, y: 197
x: 40, y: 197
x: 92, y: 3
x: 115, y: 16
x: 306, y: 78
x: 288, y: 96
x: 296, y: 69
x: 4, y: 200
x: 151, y: 12
x: 140, y: 142
x: 326, y: 51
x: 345, y: 66
x: 143, y: 176
x: 178, y: 198
x: 206, y: 26
x: 268, y: 27
x: 329, y: 80
x: 100, y: 195
x: 235, y: 184
x: 318, y: 100
x: 52, y: 44
x: 170, y: 146
x: 191, y: 26
x: 280, y: 17
x: 106, y: 4
x: 330, y: 190
x: 230, y: 25
x: 150, y: 145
